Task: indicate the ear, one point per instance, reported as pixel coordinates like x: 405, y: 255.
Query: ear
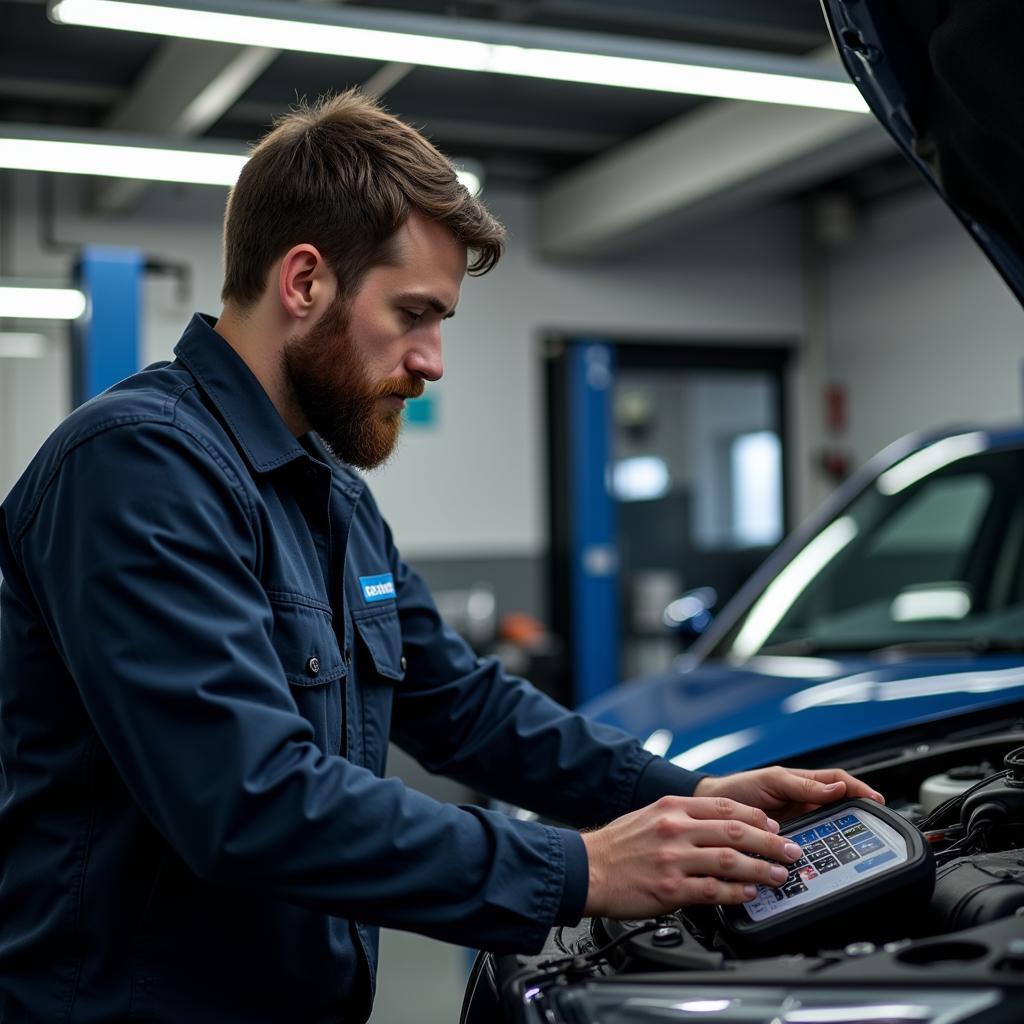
x: 305, y: 284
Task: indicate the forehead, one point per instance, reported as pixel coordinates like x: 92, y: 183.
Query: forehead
x: 427, y: 250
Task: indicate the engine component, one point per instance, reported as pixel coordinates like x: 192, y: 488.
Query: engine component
x: 936, y: 789
x: 977, y: 889
x: 999, y: 803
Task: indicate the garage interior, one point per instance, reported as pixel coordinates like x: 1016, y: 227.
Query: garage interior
x: 782, y: 263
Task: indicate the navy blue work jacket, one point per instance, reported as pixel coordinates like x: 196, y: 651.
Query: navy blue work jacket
x: 207, y: 637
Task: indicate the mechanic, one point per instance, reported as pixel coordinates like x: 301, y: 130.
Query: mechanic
x: 208, y: 637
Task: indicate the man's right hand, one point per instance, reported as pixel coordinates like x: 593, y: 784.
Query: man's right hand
x: 682, y: 850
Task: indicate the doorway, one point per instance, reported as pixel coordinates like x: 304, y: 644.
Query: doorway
x: 667, y: 474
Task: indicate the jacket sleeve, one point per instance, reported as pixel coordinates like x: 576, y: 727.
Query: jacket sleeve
x: 143, y: 555
x: 464, y: 717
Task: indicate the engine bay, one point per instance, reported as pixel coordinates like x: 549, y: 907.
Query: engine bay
x: 967, y: 799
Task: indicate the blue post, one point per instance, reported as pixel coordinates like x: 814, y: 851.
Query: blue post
x: 593, y: 545
x: 106, y: 338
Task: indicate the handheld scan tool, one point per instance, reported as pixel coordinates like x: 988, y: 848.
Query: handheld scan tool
x: 856, y: 854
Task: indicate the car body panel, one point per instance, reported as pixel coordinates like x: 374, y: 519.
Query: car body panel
x: 720, y: 719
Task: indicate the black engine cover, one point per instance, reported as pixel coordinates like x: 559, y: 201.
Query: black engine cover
x: 976, y: 889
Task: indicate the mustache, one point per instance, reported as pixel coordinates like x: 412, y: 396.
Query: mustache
x: 400, y: 387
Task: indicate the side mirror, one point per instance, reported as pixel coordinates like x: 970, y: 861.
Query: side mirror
x: 689, y: 615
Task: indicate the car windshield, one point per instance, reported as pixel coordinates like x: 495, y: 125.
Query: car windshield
x: 928, y: 556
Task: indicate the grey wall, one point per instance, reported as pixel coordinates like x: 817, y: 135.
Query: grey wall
x: 473, y: 484
x: 922, y: 331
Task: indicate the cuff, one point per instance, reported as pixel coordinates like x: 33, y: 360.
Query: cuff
x: 662, y: 778
x: 577, y: 878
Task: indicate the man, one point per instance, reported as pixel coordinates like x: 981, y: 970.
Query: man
x: 208, y: 637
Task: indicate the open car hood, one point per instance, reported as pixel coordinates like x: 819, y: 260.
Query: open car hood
x: 944, y: 78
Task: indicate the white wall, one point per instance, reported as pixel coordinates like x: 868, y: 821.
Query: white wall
x: 923, y: 332
x: 473, y: 484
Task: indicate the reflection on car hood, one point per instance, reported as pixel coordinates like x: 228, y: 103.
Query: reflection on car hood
x: 718, y: 718
x: 944, y: 80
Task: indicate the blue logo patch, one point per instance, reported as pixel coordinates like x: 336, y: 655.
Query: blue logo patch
x: 378, y: 588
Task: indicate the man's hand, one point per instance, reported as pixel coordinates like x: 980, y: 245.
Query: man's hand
x: 683, y: 850
x: 787, y: 792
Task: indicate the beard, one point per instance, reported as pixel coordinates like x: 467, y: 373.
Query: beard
x: 332, y: 386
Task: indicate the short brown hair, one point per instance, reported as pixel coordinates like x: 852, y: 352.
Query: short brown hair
x: 343, y: 174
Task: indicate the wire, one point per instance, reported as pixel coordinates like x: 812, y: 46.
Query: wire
x: 955, y: 801
x: 581, y: 960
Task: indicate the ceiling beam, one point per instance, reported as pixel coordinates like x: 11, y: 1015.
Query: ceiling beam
x: 452, y: 133
x: 183, y: 90
x: 720, y: 159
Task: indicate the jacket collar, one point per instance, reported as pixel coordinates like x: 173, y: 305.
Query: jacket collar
x: 248, y: 412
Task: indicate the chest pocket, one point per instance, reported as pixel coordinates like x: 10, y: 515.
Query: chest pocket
x: 305, y: 642
x: 380, y: 666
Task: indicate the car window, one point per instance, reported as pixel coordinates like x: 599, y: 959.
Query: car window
x: 937, y: 560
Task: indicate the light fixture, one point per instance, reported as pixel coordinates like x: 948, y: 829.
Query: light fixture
x: 27, y: 148
x: 640, y: 478
x: 464, y: 45
x: 37, y: 303
x: 22, y: 345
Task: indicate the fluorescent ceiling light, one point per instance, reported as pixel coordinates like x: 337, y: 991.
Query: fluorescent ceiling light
x: 281, y: 30
x: 29, y: 303
x: 26, y: 149
x: 470, y: 180
x: 19, y: 345
x: 146, y: 163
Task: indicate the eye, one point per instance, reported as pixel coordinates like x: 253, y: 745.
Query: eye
x: 412, y: 315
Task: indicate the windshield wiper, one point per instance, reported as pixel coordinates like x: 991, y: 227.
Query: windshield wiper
x: 802, y: 647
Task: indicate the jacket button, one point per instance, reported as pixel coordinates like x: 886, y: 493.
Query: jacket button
x: 403, y: 663
x: 313, y: 666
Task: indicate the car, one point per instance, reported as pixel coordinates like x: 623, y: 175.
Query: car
x: 899, y: 605
x: 885, y: 637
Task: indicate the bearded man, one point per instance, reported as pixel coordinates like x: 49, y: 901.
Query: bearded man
x: 208, y: 638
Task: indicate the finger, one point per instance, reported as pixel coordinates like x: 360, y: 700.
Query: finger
x: 720, y: 808
x: 732, y: 866
x: 714, y: 890
x: 832, y: 776
x: 746, y: 838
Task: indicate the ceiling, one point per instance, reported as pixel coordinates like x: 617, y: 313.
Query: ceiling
x: 526, y: 132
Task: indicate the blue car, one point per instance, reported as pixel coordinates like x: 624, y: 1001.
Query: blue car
x: 899, y: 606
x: 886, y: 637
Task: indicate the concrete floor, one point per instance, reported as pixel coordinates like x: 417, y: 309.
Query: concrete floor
x: 421, y: 981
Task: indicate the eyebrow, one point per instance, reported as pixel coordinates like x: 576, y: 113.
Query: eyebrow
x: 430, y: 300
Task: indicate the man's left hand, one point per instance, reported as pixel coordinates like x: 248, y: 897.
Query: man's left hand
x: 787, y: 792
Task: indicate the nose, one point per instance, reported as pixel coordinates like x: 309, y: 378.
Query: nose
x: 424, y: 358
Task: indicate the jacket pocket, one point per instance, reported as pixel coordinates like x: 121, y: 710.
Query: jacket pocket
x: 381, y: 665
x: 308, y: 648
